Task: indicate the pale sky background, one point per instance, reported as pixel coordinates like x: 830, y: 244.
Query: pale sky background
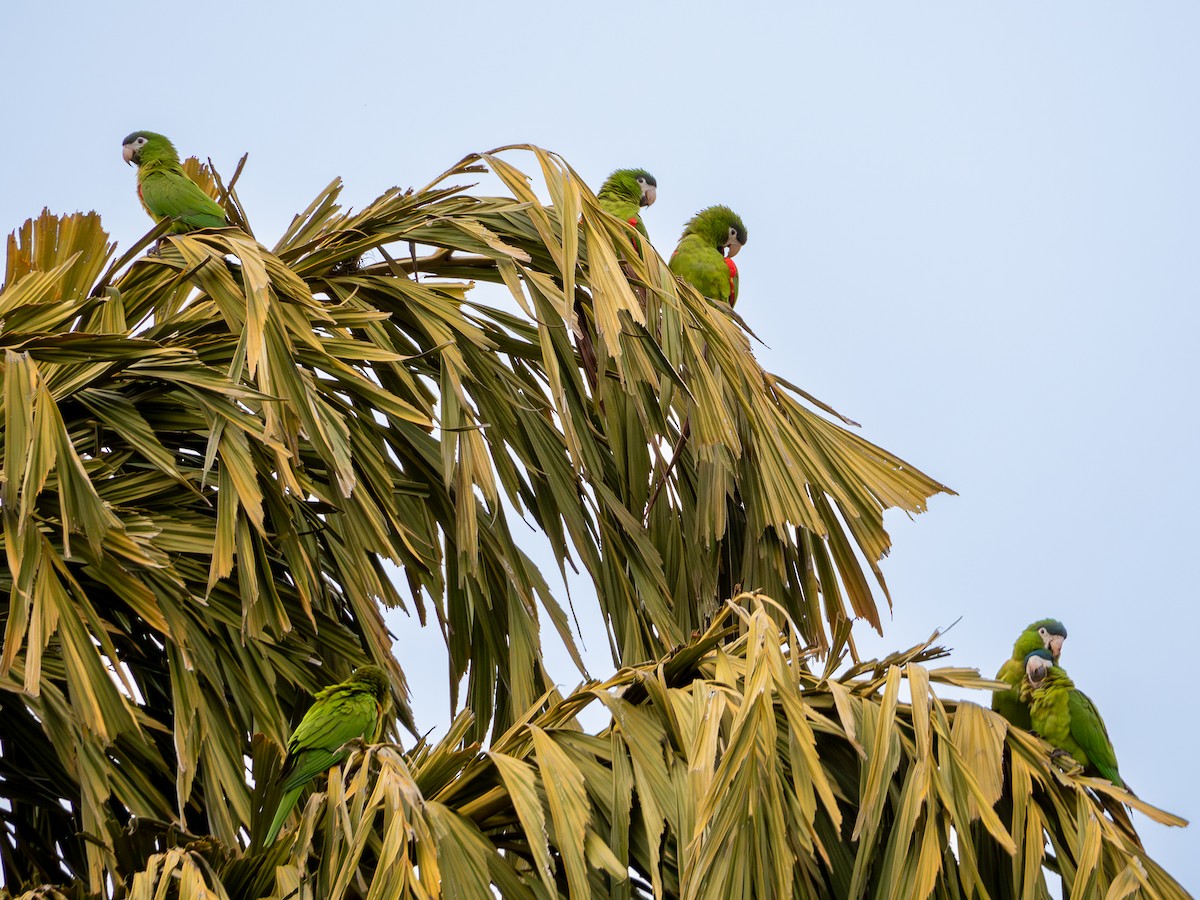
x: 972, y: 228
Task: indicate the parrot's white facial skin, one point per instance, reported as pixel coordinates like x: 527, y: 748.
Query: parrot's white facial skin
x: 1036, y: 668
x: 129, y: 151
x: 649, y: 192
x: 1052, y: 642
x: 732, y: 245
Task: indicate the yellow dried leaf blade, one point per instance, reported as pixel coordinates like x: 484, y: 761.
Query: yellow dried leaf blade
x: 1104, y: 786
x: 898, y: 855
x: 82, y: 509
x: 918, y: 686
x: 117, y: 412
x: 883, y: 758
x: 314, y: 220
x: 979, y: 735
x: 813, y: 772
x: 30, y: 445
x: 520, y: 781
x: 569, y: 807
x: 94, y: 697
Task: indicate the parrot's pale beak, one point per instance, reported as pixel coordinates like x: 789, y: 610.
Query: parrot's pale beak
x: 649, y: 195
x: 1036, y: 674
x: 733, y: 246
x: 127, y: 153
x: 1056, y: 643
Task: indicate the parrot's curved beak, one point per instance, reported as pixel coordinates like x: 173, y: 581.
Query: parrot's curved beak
x: 733, y: 246
x: 127, y: 152
x: 1036, y: 674
x: 649, y: 195
x: 1056, y: 642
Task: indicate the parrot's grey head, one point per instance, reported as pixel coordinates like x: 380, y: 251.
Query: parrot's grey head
x: 1037, y: 666
x: 133, y: 146
x: 1053, y: 633
x: 649, y: 186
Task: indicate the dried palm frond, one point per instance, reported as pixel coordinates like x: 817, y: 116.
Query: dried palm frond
x: 213, y: 453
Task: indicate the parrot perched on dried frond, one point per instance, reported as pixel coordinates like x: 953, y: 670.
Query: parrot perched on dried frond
x: 625, y: 192
x: 342, y: 712
x: 704, y: 256
x: 623, y: 195
x: 1066, y: 717
x: 165, y: 190
x: 1044, y: 634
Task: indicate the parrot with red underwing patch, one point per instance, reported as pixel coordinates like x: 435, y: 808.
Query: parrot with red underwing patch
x: 1044, y: 634
x: 1066, y: 717
x: 625, y: 192
x: 164, y: 188
x: 704, y: 255
x: 341, y: 713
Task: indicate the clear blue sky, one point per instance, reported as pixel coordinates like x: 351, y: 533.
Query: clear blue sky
x: 973, y: 228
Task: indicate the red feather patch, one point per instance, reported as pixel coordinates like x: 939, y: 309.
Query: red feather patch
x: 733, y: 274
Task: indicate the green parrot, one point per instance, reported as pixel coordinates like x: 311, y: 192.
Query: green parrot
x: 700, y: 258
x: 164, y: 189
x: 342, y: 712
x: 1067, y: 718
x: 1044, y: 634
x: 625, y: 192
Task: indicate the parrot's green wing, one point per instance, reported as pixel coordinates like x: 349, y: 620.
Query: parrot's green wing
x: 340, y: 714
x: 1051, y: 714
x: 627, y: 211
x: 172, y: 195
x: 1088, y: 731
x: 703, y: 267
x: 623, y: 208
x: 1009, y: 703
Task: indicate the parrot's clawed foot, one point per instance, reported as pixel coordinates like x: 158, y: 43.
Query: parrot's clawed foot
x: 1066, y: 761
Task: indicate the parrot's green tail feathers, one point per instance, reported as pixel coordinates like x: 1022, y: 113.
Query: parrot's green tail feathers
x: 286, y: 803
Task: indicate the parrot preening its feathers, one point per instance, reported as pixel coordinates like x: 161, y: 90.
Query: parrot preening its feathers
x: 342, y: 712
x: 1044, y: 634
x: 704, y: 256
x: 1066, y: 717
x: 164, y: 189
x: 625, y: 192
